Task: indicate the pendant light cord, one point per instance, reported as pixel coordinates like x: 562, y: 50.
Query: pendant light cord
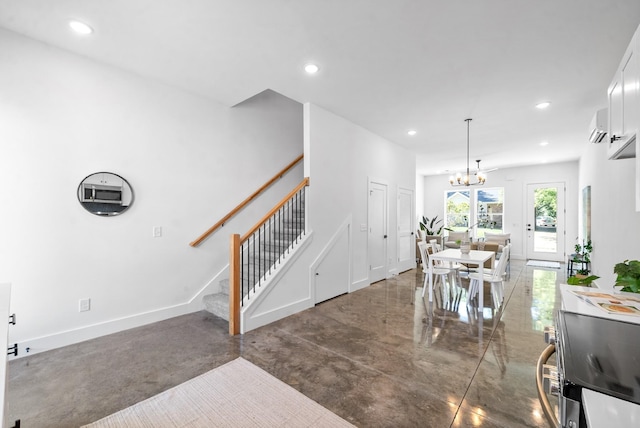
x: 468, y: 123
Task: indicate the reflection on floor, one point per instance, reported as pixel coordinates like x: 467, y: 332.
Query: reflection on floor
x: 378, y: 357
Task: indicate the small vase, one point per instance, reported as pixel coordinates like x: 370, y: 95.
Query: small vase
x: 465, y: 247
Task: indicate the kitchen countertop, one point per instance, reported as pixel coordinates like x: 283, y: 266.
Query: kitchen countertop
x: 601, y: 410
x: 572, y: 303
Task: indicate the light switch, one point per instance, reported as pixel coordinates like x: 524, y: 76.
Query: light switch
x: 157, y: 231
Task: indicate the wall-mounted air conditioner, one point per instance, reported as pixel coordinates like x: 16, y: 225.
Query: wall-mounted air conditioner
x: 599, y: 126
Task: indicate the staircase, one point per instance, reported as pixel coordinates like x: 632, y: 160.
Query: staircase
x: 264, y: 251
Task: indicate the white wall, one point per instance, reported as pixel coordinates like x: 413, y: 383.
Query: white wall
x: 514, y: 181
x: 340, y: 191
x: 615, y: 225
x: 340, y: 158
x: 188, y: 159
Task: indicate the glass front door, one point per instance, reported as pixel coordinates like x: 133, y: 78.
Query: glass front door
x: 545, y: 221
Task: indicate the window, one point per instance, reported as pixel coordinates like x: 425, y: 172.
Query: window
x: 489, y: 210
x: 457, y: 210
x: 487, y: 215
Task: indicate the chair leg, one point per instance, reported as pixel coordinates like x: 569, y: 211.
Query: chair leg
x: 425, y: 284
x: 473, y: 289
x: 440, y: 279
x: 497, y: 293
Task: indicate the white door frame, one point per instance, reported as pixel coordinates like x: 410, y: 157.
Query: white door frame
x: 406, y: 236
x: 377, y: 238
x: 530, y: 222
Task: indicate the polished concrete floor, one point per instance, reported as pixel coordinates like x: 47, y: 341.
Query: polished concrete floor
x: 379, y: 357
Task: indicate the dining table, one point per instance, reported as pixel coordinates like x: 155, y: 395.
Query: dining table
x: 455, y: 255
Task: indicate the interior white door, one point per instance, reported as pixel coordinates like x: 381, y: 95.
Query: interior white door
x: 545, y: 221
x: 406, y: 235
x: 332, y: 275
x: 377, y: 219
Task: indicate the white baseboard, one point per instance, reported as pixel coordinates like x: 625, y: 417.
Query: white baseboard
x: 80, y: 334
x: 359, y: 285
x: 69, y: 337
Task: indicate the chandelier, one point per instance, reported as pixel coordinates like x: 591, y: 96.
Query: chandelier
x: 465, y: 180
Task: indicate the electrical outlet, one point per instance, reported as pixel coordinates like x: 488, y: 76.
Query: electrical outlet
x: 84, y: 305
x: 157, y: 231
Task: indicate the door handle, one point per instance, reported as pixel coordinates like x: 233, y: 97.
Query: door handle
x: 385, y: 237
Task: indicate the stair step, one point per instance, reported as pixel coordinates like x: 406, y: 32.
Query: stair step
x: 279, y: 237
x: 217, y: 304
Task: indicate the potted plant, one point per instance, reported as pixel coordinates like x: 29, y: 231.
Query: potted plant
x: 431, y: 228
x: 581, y: 279
x: 582, y: 255
x: 628, y: 276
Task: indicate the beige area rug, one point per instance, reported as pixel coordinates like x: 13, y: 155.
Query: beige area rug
x: 237, y: 394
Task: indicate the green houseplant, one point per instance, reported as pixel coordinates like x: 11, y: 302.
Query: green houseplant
x: 582, y: 280
x: 628, y: 276
x: 432, y: 227
x: 583, y: 256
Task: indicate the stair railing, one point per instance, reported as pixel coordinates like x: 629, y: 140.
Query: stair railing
x: 253, y: 256
x: 244, y: 203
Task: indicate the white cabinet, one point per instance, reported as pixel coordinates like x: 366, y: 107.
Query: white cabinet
x: 624, y: 97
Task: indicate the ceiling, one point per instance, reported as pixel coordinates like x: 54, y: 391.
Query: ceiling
x: 388, y: 66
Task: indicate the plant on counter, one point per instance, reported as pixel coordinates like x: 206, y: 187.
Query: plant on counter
x: 582, y: 280
x: 628, y: 276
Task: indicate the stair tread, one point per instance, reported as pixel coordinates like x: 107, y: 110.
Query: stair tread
x: 288, y: 231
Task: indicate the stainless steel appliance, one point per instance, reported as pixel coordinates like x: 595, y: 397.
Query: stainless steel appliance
x: 594, y: 354
x: 101, y: 193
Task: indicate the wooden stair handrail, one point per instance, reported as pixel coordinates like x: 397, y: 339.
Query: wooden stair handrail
x: 275, y: 209
x: 242, y: 204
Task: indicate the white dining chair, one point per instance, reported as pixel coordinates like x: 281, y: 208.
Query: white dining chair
x: 495, y: 277
x: 454, y: 267
x: 440, y: 273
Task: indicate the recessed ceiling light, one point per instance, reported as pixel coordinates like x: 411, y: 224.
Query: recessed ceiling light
x: 412, y: 132
x: 311, y: 68
x: 543, y: 105
x: 544, y: 143
x: 80, y: 27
